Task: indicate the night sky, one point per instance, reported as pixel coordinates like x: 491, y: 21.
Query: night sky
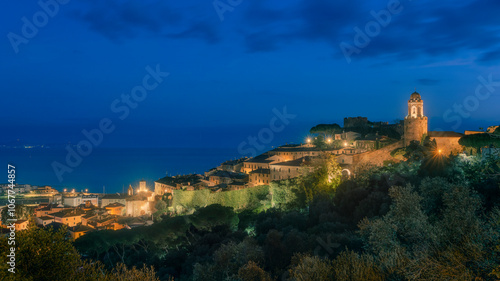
x: 232, y: 62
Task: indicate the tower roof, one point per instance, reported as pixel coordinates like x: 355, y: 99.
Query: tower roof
x: 415, y: 97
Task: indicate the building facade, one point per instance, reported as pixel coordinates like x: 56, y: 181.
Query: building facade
x: 415, y: 123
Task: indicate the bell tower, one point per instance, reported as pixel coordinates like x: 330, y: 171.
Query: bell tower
x: 415, y: 121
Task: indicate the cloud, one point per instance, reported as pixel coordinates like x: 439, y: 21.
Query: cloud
x: 428, y: 81
x: 439, y: 30
x: 200, y: 30
x: 489, y: 57
x: 423, y: 28
x: 120, y: 21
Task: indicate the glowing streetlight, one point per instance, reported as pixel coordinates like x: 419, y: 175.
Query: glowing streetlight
x: 439, y: 151
x: 345, y: 143
x: 308, y: 140
x: 329, y: 140
x: 65, y: 190
x: 86, y: 190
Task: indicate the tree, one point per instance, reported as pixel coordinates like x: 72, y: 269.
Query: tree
x: 479, y: 141
x: 326, y: 129
x: 161, y: 209
x: 47, y: 254
x: 319, y: 142
x: 214, y: 215
x: 323, y: 176
x: 22, y: 212
x: 307, y: 268
x: 252, y: 272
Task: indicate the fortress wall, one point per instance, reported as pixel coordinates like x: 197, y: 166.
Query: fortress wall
x: 377, y: 157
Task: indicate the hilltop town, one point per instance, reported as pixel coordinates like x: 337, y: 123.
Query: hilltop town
x: 358, y: 143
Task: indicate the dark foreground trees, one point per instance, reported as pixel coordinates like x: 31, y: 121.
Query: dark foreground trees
x: 47, y: 254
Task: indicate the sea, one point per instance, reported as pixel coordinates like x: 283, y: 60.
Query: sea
x: 110, y: 170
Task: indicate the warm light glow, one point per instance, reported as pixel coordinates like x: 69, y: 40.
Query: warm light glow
x: 86, y: 190
x: 65, y: 190
x: 308, y: 140
x: 329, y: 140
x: 73, y: 190
x: 439, y: 151
x: 345, y: 143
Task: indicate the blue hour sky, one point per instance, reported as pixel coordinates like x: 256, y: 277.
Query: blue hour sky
x: 232, y: 62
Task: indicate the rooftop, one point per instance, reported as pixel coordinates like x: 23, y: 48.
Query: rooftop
x: 295, y: 163
x: 173, y: 181
x: 260, y: 158
x: 261, y: 171
x: 444, y: 134
x: 114, y: 205
x: 46, y: 218
x: 227, y: 174
x: 80, y: 228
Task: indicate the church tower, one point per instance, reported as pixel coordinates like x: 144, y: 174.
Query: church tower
x: 415, y: 121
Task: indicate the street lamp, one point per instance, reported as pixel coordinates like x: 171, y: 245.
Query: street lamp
x: 86, y: 190
x: 308, y: 140
x: 345, y: 143
x: 329, y: 140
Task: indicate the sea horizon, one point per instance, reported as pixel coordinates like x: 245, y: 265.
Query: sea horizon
x: 114, y: 168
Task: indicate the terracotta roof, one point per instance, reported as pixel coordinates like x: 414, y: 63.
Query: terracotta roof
x: 114, y: 205
x: 261, y: 171
x: 295, y: 163
x: 444, y: 134
x: 46, y: 218
x: 80, y: 228
x: 67, y: 214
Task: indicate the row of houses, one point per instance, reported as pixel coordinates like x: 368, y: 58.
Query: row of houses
x: 28, y: 188
x: 83, y: 213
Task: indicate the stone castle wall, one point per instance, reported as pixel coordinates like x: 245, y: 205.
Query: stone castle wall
x: 414, y: 129
x: 350, y: 122
x: 377, y: 157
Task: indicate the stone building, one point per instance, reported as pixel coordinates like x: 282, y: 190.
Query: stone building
x: 259, y: 176
x: 359, y: 121
x: 415, y: 123
x: 447, y: 142
x: 289, y: 169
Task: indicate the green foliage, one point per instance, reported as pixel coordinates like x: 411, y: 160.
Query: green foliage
x: 350, y: 266
x: 479, y: 141
x: 214, y: 215
x: 233, y: 261
x: 306, y: 268
x: 398, y: 153
x: 47, y: 254
x: 22, y: 212
x: 252, y: 272
x: 161, y: 209
x: 326, y: 129
x: 287, y: 195
x: 323, y: 176
x: 248, y: 198
x: 319, y: 142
